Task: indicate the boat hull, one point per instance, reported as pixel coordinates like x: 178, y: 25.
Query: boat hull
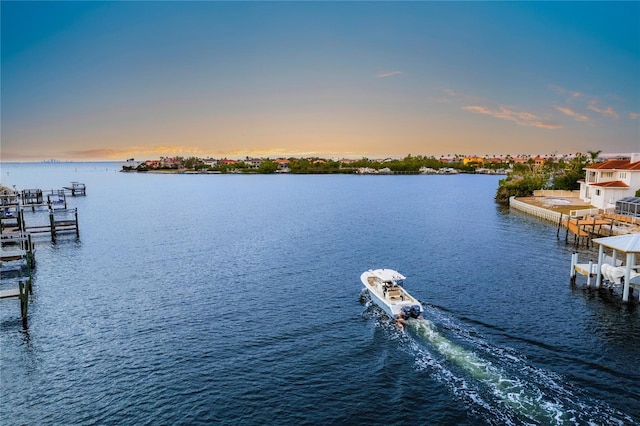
x: 386, y: 293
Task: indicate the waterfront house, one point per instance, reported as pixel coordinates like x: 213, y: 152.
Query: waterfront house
x: 609, y: 181
x: 254, y: 163
x: 170, y: 163
x: 283, y: 165
x: 210, y: 162
x: 227, y: 162
x: 152, y: 164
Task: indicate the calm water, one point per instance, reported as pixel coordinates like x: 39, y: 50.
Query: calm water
x: 193, y: 299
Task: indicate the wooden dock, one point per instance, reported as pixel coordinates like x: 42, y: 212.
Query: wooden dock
x: 584, y: 230
x: 17, y: 259
x: 22, y: 293
x: 16, y: 265
x: 60, y: 221
x: 77, y: 188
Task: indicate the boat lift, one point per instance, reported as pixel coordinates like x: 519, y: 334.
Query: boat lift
x: 611, y: 268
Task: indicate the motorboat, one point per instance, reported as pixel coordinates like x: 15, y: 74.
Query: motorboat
x: 386, y: 291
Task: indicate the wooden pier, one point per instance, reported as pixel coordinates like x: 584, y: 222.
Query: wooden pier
x: 584, y: 230
x: 16, y: 265
x: 57, y: 199
x: 22, y: 293
x: 32, y: 198
x: 77, y: 188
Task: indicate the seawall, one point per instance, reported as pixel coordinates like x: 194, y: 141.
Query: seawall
x: 534, y: 210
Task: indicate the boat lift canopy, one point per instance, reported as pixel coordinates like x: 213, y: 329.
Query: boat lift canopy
x: 628, y: 244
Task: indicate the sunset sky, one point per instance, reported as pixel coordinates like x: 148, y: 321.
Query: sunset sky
x: 114, y: 80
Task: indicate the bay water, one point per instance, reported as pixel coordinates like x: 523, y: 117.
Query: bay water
x: 236, y: 299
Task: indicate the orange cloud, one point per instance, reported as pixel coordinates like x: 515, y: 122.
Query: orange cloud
x: 568, y: 93
x: 607, y: 112
x: 520, y: 118
x: 634, y: 115
x: 573, y: 114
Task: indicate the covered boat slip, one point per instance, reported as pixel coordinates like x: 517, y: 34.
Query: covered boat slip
x: 620, y: 268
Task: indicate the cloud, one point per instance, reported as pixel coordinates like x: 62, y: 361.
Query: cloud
x: 570, y: 95
x: 573, y: 114
x: 520, y: 118
x: 451, y: 92
x: 383, y: 74
x: 446, y: 96
x: 607, y: 112
x: 634, y: 115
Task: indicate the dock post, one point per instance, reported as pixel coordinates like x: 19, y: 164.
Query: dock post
x: 53, y: 226
x: 30, y: 250
x: 589, y: 274
x: 572, y: 274
x: 600, y: 262
x: 559, y: 224
x: 24, y: 303
x: 630, y: 261
x: 77, y: 227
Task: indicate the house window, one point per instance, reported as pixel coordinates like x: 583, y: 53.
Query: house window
x: 623, y: 175
x: 607, y: 174
x: 597, y: 192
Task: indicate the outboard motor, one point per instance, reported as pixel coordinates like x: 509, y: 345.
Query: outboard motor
x: 406, y: 311
x: 415, y: 311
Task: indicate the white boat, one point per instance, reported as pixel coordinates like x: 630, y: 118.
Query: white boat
x: 385, y: 288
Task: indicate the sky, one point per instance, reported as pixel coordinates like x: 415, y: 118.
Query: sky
x: 91, y: 81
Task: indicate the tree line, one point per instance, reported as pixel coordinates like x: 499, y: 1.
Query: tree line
x: 551, y: 174
x: 407, y: 164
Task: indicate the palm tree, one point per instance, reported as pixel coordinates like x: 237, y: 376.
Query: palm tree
x: 594, y: 156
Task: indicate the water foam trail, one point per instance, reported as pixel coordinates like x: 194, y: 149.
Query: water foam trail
x: 509, y: 390
x: 530, y: 394
x: 503, y: 389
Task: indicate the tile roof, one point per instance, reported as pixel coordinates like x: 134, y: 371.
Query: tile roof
x: 615, y: 165
x: 611, y: 184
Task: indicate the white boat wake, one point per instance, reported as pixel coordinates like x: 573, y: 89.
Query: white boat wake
x: 506, y: 390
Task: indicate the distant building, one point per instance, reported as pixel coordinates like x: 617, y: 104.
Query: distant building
x: 210, y: 162
x: 283, y: 165
x: 254, y: 163
x: 153, y: 164
x: 131, y: 163
x: 170, y: 163
x: 474, y: 160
